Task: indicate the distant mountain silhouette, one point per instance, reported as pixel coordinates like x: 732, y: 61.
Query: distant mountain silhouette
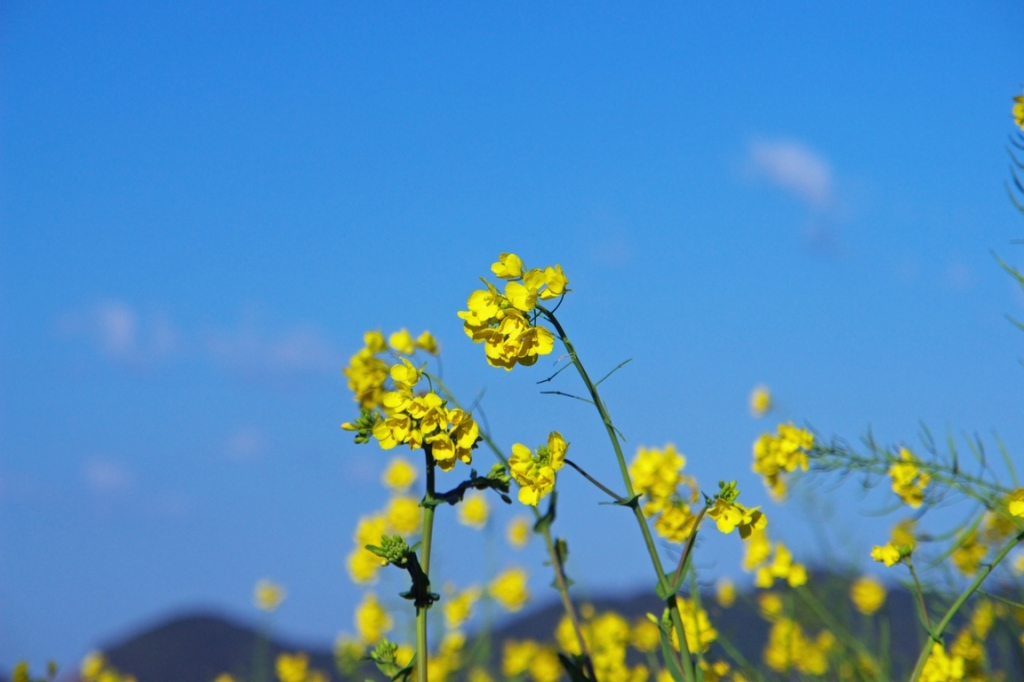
x: 197, y: 648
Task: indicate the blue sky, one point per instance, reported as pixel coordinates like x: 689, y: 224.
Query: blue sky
x: 205, y: 204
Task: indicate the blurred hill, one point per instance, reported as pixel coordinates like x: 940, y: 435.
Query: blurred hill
x: 197, y: 648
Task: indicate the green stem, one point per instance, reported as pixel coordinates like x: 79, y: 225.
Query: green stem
x: 921, y: 604
x: 425, y: 542
x: 960, y: 601
x: 832, y: 623
x: 561, y: 582
x: 652, y: 550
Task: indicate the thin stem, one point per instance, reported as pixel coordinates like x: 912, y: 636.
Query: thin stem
x: 652, y: 550
x: 919, y: 591
x: 428, y: 533
x: 960, y: 601
x: 596, y: 482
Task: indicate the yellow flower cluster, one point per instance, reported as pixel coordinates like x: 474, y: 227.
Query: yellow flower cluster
x: 969, y: 553
x: 1015, y: 503
x: 474, y: 511
x: 367, y: 371
x: 423, y: 421
x: 509, y: 589
x: 767, y: 568
x: 760, y: 401
x: 699, y: 631
x: 401, y: 515
x: 96, y: 668
x: 657, y: 475
x: 458, y: 606
x: 540, y: 662
x: 900, y: 545
x: 908, y: 481
x: 518, y: 532
x: 608, y: 635
x: 372, y: 620
x: 789, y: 648
x: 535, y: 471
x: 1018, y: 111
x: 295, y: 668
x: 780, y: 453
x: 502, y: 322
x: 730, y: 515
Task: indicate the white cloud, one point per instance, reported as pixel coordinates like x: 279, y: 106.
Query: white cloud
x: 795, y: 168
x: 247, y: 443
x: 122, y: 334
x: 105, y: 477
x: 301, y: 350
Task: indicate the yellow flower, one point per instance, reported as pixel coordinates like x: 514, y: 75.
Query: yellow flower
x: 657, y: 474
x: 725, y: 592
x: 474, y: 511
x: 545, y: 666
x: 92, y: 665
x: 458, y: 608
x: 347, y: 652
x: 941, y: 667
x: 867, y: 594
x: 372, y: 621
x: 399, y: 476
x: 760, y: 401
x: 268, y: 596
x: 402, y: 342
x: 509, y: 589
x: 788, y: 647
x: 969, y: 553
x: 516, y: 656
x: 535, y: 472
x: 404, y: 515
x: 771, y: 605
x: 556, y: 282
x: 292, y: 667
x: 1018, y: 111
x: 508, y: 266
x: 776, y: 455
x: 731, y: 515
x: 645, y: 636
x: 908, y: 481
x: 699, y: 631
x: 427, y: 342
x: 757, y: 550
x: 1015, y: 503
x: 782, y: 567
x: 224, y: 677
x: 478, y: 674
x: 1017, y: 563
x: 888, y: 554
x: 903, y: 534
x: 675, y: 522
x: 366, y: 374
x: 518, y: 533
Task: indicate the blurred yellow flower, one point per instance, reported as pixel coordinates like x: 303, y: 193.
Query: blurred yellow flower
x: 404, y: 515
x: 399, y: 476
x: 1018, y: 111
x: 775, y: 455
x: 474, y: 510
x: 458, y: 608
x: 545, y: 666
x: 1015, y: 503
x: 1017, y: 563
x: 402, y: 342
x: 725, y: 592
x: 92, y: 665
x: 868, y: 594
x: 478, y: 674
x: 699, y: 631
x: 908, y: 480
x: 518, y: 533
x: 516, y: 656
x: 427, y: 342
x: 645, y: 636
x: 372, y: 621
x: 363, y: 565
x: 760, y: 401
x: 224, y: 677
x: 268, y: 595
x: 771, y: 605
x: 509, y: 589
x: 969, y: 553
x: 292, y: 667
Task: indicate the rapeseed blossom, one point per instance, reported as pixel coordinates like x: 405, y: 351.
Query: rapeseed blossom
x: 399, y: 475
x: 1015, y: 503
x: 535, y: 471
x: 889, y: 554
x: 518, y: 532
x: 699, y: 631
x: 760, y: 401
x: 295, y: 668
x: 1018, y: 111
x: 517, y: 655
x: 503, y: 322
x: 908, y: 480
x: 789, y: 648
x: 782, y: 567
x: 645, y: 636
x: 372, y: 620
x: 404, y: 515
x: 268, y: 595
x: 362, y: 563
x: 781, y: 453
x: 657, y: 476
x: 867, y: 594
x: 725, y: 592
x: 474, y: 511
x: 458, y: 607
x: 729, y: 514
x: 941, y: 667
x: 509, y: 589
x: 771, y: 606
x: 969, y: 553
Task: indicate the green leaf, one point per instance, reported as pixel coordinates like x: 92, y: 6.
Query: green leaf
x: 574, y: 667
x: 668, y: 652
x: 631, y: 502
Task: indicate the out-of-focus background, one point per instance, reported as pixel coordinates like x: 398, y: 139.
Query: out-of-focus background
x: 205, y: 205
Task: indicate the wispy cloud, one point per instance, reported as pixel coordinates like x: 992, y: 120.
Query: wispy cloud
x: 257, y: 353
x: 122, y: 334
x: 247, y: 443
x: 797, y: 169
x: 105, y: 477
